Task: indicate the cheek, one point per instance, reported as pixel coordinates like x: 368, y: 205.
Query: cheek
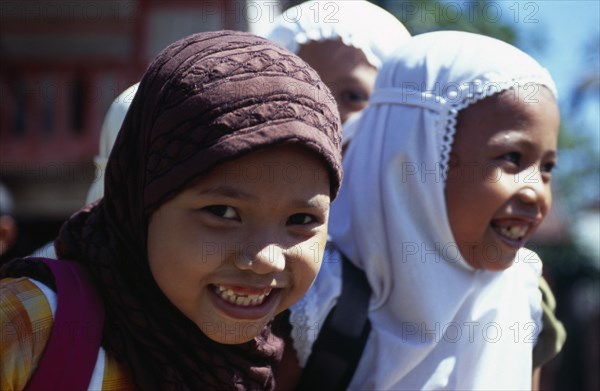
x: 492, y: 174
x: 158, y: 248
x: 155, y: 240
x: 312, y: 256
x: 306, y: 264
x: 470, y: 203
x: 167, y: 249
x: 545, y: 207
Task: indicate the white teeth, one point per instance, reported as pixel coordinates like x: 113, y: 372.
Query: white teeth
x: 241, y: 300
x: 514, y: 232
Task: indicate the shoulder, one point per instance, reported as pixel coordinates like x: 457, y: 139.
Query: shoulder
x: 528, y: 269
x: 26, y: 314
x: 25, y: 300
x: 27, y: 309
x: 553, y: 335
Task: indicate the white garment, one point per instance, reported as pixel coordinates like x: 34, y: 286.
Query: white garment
x: 108, y: 134
x: 436, y: 322
x: 358, y: 23
x: 46, y: 251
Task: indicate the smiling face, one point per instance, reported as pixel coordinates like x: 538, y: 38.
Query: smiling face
x: 244, y: 242
x: 345, y: 70
x: 498, y: 186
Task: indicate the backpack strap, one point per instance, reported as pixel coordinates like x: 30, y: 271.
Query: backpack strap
x: 342, y: 339
x: 72, y: 349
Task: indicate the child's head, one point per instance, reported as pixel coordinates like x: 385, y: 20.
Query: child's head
x: 239, y: 150
x: 456, y: 146
x: 498, y: 182
x: 215, y: 207
x: 344, y: 41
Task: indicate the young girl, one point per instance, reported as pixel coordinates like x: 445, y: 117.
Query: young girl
x: 213, y: 221
x: 344, y: 41
x: 447, y: 177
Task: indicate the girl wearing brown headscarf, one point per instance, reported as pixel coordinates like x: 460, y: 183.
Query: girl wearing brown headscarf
x: 213, y: 222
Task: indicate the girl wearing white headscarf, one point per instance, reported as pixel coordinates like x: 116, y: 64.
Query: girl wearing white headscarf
x: 437, y: 321
x: 344, y: 41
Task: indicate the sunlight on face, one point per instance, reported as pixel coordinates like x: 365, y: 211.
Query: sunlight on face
x: 244, y: 242
x: 498, y: 186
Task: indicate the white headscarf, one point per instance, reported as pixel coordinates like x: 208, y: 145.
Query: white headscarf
x: 108, y: 134
x: 436, y: 322
x: 359, y: 24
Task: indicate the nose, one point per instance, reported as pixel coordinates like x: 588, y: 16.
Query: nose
x: 528, y: 195
x: 261, y: 259
x: 534, y: 189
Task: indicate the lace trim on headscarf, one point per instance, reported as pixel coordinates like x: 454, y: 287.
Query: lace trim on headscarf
x: 308, y: 312
x: 320, y: 21
x: 301, y: 321
x: 320, y: 35
x: 455, y: 100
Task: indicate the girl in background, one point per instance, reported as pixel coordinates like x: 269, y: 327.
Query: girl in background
x: 344, y: 41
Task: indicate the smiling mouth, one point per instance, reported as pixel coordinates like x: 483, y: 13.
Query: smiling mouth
x: 512, y: 231
x: 240, y: 298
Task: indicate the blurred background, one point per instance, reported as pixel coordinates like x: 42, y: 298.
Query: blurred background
x: 63, y: 62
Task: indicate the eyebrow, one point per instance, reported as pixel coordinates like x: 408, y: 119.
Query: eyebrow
x: 515, y: 137
x: 231, y: 192
x: 225, y: 191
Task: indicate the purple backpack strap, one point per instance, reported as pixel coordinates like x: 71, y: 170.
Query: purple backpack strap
x: 71, y: 352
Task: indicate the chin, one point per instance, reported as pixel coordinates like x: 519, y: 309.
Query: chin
x: 232, y: 333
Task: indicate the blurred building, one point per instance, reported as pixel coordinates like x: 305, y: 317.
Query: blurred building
x: 62, y: 63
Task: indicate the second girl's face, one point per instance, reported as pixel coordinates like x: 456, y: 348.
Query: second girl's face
x: 244, y: 242
x: 498, y: 185
x: 345, y: 70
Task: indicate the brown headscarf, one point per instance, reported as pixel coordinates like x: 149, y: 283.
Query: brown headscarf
x: 205, y: 99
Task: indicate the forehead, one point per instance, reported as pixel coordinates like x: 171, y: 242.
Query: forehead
x: 530, y: 111
x: 333, y: 57
x: 292, y: 165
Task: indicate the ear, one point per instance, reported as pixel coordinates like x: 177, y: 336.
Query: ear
x: 8, y: 233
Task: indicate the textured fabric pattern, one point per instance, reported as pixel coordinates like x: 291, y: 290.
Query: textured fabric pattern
x: 205, y: 99
x: 27, y: 320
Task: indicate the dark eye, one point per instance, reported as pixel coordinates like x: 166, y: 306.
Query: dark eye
x: 548, y: 167
x: 355, y: 95
x: 301, y: 219
x: 512, y: 157
x: 224, y: 211
x: 356, y: 98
